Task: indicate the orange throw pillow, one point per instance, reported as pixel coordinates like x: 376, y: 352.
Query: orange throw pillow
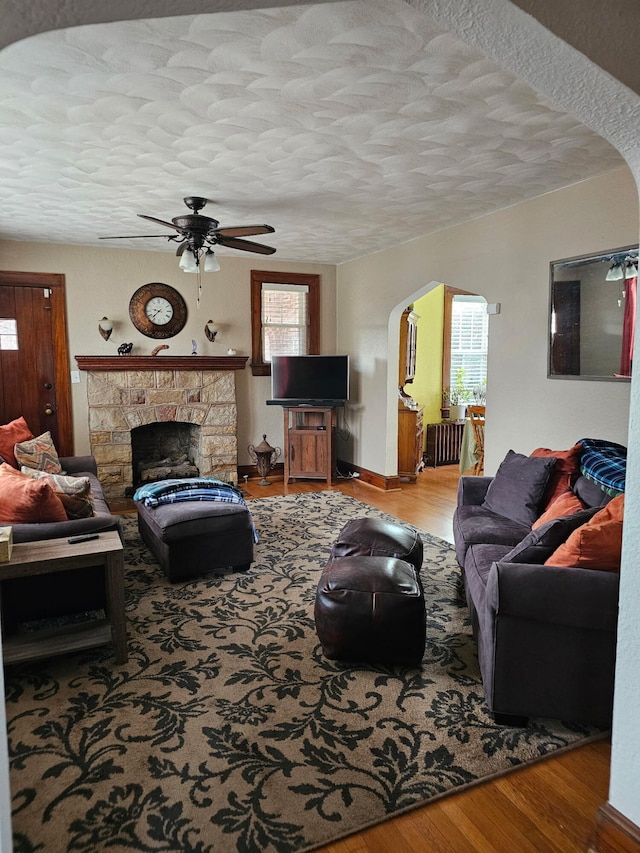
x: 27, y: 501
x: 10, y: 435
x: 564, y: 474
x: 597, y: 544
x: 566, y: 504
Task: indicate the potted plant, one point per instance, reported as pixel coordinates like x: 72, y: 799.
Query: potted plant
x: 459, y: 396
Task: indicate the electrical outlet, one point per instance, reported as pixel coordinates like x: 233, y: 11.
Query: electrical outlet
x: 75, y: 377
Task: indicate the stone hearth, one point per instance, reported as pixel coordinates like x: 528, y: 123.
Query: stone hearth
x: 121, y: 400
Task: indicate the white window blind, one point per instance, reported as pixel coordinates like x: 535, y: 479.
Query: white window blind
x: 469, y: 339
x: 285, y: 319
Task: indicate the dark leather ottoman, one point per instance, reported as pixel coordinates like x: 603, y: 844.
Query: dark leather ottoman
x: 190, y: 538
x: 371, y: 609
x: 376, y: 537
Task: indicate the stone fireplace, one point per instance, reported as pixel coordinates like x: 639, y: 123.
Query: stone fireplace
x: 128, y: 392
x: 164, y: 450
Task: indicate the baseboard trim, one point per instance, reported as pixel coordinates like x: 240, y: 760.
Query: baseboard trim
x: 615, y: 833
x: 387, y: 484
x: 251, y: 472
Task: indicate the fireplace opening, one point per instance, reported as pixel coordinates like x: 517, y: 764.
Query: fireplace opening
x: 164, y: 451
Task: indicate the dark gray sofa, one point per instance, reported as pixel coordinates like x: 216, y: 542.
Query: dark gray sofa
x: 79, y: 590
x: 546, y: 635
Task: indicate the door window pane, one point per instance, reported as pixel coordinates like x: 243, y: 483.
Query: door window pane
x: 8, y: 333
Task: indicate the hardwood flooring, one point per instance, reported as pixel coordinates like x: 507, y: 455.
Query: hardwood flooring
x: 547, y: 807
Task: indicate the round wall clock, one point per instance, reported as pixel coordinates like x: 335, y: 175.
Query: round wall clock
x: 158, y: 310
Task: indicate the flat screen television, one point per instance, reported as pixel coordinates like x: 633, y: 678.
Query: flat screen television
x: 309, y: 380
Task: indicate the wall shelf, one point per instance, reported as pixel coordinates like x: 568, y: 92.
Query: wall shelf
x: 161, y: 362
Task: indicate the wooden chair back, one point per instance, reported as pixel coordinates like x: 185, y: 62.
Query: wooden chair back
x: 477, y: 418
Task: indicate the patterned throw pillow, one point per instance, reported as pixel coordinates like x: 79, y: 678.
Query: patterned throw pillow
x: 74, y: 492
x: 39, y: 453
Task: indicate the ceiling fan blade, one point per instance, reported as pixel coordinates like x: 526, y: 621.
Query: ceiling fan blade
x: 138, y: 237
x: 245, y: 245
x: 159, y: 221
x: 244, y: 230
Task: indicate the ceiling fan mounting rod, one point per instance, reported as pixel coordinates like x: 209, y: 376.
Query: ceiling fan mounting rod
x: 195, y: 202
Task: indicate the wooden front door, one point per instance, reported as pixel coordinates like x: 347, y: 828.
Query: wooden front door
x: 34, y: 355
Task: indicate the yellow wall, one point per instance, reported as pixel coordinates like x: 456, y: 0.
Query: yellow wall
x: 427, y: 385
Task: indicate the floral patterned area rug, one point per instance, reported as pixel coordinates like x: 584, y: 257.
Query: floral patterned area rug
x: 228, y: 730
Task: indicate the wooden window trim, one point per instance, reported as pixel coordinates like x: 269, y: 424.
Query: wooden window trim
x: 449, y: 293
x: 260, y: 367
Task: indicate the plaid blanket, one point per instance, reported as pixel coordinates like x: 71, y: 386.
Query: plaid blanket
x: 604, y: 463
x: 191, y: 489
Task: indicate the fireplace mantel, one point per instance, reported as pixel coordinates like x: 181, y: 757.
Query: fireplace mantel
x: 161, y: 362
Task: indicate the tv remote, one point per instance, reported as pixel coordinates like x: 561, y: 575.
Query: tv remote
x: 85, y: 537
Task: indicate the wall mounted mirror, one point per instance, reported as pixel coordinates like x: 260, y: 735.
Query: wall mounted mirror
x: 591, y: 315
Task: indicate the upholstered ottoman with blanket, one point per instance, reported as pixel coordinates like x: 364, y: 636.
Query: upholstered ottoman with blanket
x: 195, y: 525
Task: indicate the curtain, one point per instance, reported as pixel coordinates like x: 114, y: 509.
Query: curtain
x: 628, y: 325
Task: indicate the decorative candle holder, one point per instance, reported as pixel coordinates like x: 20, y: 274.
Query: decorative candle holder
x: 264, y: 458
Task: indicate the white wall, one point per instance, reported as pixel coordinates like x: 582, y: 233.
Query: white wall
x: 100, y: 282
x: 505, y: 258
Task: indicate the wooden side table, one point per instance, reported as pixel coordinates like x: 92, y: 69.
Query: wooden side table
x: 58, y: 555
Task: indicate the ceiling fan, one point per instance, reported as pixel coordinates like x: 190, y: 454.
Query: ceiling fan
x: 198, y: 234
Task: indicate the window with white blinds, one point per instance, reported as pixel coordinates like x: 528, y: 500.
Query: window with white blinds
x: 285, y: 319
x: 469, y: 339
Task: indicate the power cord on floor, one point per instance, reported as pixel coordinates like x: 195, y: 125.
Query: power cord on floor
x: 350, y: 475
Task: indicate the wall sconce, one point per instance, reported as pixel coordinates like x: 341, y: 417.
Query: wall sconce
x: 211, y: 329
x: 105, y: 327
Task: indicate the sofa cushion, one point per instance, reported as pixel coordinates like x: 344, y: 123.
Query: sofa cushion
x: 566, y: 504
x: 538, y: 545
x: 10, y: 435
x: 597, y: 544
x: 474, y: 524
x: 517, y: 490
x: 479, y: 559
x: 565, y: 471
x: 74, y: 492
x: 27, y: 501
x: 589, y: 492
x: 40, y: 453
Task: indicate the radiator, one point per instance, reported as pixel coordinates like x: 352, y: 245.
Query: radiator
x: 443, y: 444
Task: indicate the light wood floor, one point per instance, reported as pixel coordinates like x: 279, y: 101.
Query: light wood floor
x: 548, y: 807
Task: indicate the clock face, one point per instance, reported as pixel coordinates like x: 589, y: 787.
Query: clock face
x: 158, y: 310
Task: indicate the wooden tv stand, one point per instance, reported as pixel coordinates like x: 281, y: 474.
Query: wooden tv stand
x: 310, y: 443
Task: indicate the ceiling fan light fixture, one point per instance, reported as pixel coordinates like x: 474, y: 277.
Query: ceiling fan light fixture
x: 631, y: 269
x: 188, y: 261
x: 615, y: 272
x: 211, y: 262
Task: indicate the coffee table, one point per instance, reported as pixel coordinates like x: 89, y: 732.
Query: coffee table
x: 58, y: 555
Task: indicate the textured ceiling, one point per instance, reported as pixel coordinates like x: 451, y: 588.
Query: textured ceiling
x: 349, y: 127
